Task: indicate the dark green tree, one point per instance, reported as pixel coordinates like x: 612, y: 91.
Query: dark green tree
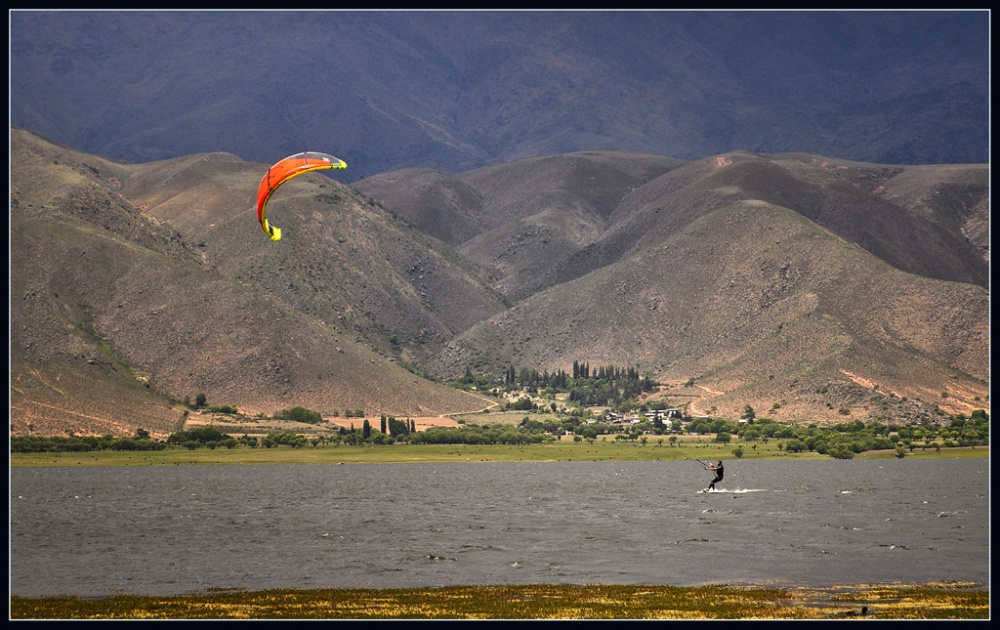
x: 301, y: 414
x: 397, y: 427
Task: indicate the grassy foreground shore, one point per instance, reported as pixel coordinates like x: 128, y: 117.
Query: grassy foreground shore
x: 544, y: 601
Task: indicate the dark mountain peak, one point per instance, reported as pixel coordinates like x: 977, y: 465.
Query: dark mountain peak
x: 455, y: 91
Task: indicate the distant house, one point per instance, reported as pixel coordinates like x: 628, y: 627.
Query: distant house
x: 617, y: 418
x: 663, y: 414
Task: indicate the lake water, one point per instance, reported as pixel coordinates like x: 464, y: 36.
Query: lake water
x: 173, y: 530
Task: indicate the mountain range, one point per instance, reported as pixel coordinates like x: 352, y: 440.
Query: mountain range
x: 812, y: 288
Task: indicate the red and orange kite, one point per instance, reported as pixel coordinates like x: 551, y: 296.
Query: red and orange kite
x: 284, y: 170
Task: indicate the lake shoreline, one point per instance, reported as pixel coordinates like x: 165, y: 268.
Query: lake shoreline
x: 695, y: 448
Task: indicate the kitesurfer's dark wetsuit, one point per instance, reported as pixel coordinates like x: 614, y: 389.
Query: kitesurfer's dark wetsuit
x: 719, y: 471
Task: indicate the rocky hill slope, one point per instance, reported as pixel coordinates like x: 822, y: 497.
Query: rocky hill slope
x: 807, y: 287
x: 130, y: 291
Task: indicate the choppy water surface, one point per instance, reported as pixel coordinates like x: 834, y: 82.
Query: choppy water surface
x: 173, y: 530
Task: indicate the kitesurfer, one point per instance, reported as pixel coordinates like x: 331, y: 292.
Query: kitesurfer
x: 719, y: 470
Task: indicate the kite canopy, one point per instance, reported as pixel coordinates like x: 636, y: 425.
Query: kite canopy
x: 284, y: 170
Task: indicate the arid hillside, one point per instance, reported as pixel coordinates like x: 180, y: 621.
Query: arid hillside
x: 812, y: 289
x: 119, y: 315
x: 782, y: 315
x: 525, y: 221
x: 794, y: 282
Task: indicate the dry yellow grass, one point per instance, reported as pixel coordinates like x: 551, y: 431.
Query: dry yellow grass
x: 537, y: 601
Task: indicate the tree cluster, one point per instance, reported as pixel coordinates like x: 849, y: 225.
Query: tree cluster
x: 83, y: 444
x: 844, y: 440
x: 474, y: 434
x: 300, y: 414
x: 605, y: 385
